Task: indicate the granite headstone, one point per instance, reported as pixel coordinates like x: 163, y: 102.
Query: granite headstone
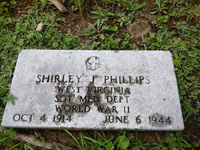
x: 95, y: 90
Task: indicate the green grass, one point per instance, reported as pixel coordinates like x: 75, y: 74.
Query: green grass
x: 177, y: 29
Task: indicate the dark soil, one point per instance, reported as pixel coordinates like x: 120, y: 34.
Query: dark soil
x: 192, y: 129
x: 21, y: 7
x: 76, y: 24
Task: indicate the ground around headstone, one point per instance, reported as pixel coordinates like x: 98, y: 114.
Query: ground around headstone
x: 60, y: 136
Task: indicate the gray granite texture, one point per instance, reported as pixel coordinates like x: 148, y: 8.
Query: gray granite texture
x: 94, y: 90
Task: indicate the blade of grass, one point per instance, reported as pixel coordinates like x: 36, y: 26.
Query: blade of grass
x: 14, y: 146
x: 73, y: 138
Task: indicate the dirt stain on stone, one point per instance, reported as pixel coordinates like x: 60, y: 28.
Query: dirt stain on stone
x: 68, y: 104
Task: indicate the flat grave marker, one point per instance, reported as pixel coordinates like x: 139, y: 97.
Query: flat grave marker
x: 94, y: 90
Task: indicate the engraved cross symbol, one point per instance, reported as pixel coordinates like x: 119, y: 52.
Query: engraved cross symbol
x: 93, y: 63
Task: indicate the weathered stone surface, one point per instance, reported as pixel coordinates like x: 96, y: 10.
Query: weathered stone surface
x: 88, y: 89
